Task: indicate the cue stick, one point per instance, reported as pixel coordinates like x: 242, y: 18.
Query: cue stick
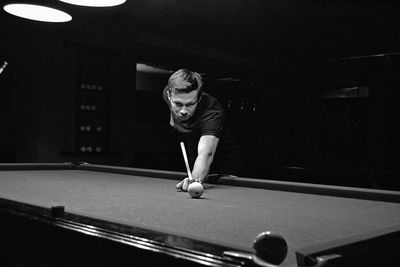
x: 186, y: 161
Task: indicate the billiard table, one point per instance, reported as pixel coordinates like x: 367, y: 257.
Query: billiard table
x: 84, y: 214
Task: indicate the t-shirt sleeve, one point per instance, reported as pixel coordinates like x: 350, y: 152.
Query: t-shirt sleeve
x: 212, y: 123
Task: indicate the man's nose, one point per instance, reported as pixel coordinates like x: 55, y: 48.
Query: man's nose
x: 183, y: 112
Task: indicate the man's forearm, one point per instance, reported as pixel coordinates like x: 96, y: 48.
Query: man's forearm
x: 202, y: 166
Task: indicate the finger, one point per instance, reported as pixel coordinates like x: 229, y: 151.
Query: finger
x: 185, y: 184
x: 179, y: 185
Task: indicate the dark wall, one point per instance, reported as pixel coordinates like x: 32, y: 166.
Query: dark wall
x: 46, y: 62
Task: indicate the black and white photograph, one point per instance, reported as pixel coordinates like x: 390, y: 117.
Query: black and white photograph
x: 224, y: 133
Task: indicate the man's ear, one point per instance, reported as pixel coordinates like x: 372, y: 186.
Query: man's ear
x: 169, y: 95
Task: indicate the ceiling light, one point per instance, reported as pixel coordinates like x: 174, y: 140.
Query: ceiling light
x: 95, y: 3
x: 36, y: 12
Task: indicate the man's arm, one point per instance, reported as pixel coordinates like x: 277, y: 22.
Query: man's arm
x: 205, y: 155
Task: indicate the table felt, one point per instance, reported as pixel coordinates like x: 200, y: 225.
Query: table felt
x: 225, y: 215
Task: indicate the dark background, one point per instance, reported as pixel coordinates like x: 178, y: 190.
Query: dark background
x: 309, y: 95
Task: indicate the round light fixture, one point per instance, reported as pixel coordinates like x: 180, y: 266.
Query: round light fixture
x: 95, y: 3
x: 36, y: 12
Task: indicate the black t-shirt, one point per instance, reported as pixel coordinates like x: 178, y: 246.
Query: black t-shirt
x: 209, y: 119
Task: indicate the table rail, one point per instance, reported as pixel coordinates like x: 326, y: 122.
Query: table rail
x: 326, y: 190
x: 138, y: 239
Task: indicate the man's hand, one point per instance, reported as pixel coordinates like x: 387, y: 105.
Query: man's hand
x: 184, y: 184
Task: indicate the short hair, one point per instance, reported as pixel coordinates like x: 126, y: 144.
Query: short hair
x: 185, y: 81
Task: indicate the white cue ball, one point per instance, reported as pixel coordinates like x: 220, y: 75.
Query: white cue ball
x: 195, y: 189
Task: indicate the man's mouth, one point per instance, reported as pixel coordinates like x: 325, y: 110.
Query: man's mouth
x: 184, y: 118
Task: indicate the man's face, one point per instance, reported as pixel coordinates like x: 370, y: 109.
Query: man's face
x: 183, y: 105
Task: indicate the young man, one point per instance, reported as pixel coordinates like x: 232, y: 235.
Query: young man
x: 200, y: 121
